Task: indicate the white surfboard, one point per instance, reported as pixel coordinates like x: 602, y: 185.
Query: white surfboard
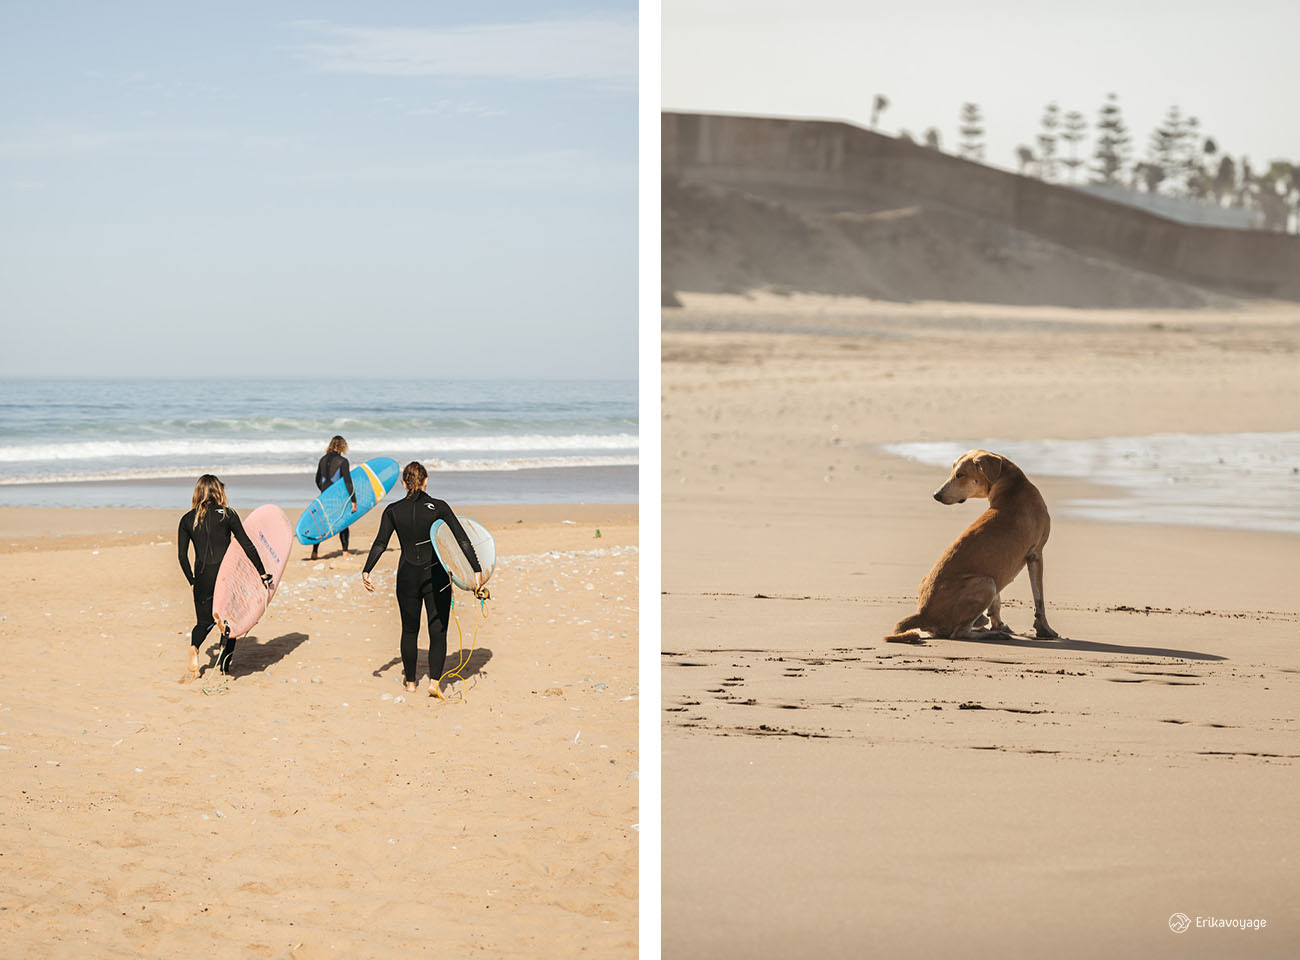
x: 453, y: 558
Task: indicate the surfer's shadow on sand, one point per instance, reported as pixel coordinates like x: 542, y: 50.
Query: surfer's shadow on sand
x: 471, y: 667
x: 1086, y: 646
x: 253, y: 656
x: 335, y: 555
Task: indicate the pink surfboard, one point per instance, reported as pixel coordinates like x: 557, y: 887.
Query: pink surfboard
x: 240, y: 599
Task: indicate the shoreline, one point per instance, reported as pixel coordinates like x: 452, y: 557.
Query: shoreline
x: 586, y: 484
x: 1239, y: 481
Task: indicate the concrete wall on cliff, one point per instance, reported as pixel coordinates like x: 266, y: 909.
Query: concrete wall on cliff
x: 839, y: 156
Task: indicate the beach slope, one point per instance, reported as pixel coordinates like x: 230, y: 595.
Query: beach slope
x: 828, y: 793
x: 310, y: 807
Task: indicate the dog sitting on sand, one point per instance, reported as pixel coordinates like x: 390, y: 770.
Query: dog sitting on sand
x: 968, y: 578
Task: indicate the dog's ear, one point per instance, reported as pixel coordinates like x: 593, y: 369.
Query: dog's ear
x: 990, y: 465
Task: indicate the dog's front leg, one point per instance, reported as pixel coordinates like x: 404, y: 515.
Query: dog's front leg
x: 1041, y: 629
x: 995, y: 616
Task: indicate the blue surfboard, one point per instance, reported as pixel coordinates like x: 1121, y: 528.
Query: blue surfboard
x: 332, y: 510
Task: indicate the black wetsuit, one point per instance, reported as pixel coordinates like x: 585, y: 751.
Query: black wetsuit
x: 333, y: 466
x: 210, y: 542
x: 420, y: 577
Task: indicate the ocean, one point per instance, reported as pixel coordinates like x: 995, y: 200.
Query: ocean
x: 1243, y: 481
x: 142, y: 443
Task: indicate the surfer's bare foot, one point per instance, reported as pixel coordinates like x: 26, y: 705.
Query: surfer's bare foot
x: 435, y: 692
x: 411, y: 687
x: 313, y: 554
x: 192, y: 668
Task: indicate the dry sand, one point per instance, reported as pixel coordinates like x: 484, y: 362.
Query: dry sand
x: 828, y: 794
x: 303, y: 810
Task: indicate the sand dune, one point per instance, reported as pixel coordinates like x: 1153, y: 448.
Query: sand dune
x: 882, y: 243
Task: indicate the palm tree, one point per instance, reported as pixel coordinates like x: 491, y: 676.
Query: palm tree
x: 1276, y: 186
x: 1295, y: 193
x: 878, y: 106
x: 1200, y: 184
x: 1245, y: 197
x: 1225, y: 178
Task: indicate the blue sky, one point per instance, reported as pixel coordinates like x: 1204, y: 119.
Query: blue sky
x: 284, y: 187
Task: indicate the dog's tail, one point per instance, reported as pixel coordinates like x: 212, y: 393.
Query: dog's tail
x: 905, y: 630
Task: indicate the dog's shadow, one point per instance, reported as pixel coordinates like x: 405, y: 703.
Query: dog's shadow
x: 253, y: 656
x: 1086, y: 646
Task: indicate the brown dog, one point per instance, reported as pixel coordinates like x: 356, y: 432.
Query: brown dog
x: 967, y: 579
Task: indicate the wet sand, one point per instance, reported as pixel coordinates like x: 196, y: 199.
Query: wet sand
x: 826, y: 792
x: 310, y: 807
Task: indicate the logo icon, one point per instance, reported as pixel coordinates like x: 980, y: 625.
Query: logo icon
x: 1179, y: 923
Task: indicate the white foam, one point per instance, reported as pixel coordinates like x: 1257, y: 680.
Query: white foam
x: 253, y: 447
x: 247, y: 470
x: 1247, y: 481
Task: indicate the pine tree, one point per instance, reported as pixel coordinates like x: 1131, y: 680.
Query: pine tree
x: 972, y: 132
x: 1075, y: 125
x: 1191, y: 172
x: 1112, y: 151
x: 932, y: 138
x: 1024, y: 157
x: 1047, y: 142
x: 1165, y: 150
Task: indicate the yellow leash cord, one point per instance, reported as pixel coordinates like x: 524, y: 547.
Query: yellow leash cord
x: 463, y: 661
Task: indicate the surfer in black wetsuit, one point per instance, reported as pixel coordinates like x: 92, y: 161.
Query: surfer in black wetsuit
x: 421, y: 579
x: 210, y: 525
x: 333, y: 466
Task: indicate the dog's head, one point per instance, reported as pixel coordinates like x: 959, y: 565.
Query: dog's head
x: 973, y: 475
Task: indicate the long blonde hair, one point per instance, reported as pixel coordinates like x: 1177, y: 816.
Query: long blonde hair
x: 413, y: 475
x: 337, y: 445
x: 208, y: 492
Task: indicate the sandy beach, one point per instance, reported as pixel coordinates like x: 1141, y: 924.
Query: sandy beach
x: 309, y: 807
x: 828, y: 793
